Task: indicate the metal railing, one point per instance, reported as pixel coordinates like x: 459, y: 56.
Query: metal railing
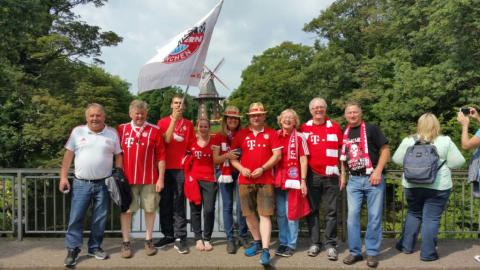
x: 30, y: 204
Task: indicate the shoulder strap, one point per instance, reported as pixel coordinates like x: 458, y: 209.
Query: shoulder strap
x: 441, y: 165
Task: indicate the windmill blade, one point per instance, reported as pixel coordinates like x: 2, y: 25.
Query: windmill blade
x: 219, y: 65
x: 220, y: 81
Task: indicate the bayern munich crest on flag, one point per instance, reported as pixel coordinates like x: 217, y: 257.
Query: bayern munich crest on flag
x: 187, y: 45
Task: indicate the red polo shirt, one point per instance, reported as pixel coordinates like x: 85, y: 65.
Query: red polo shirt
x: 256, y: 151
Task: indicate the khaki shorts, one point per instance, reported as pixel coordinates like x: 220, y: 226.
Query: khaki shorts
x: 144, y: 196
x: 256, y: 197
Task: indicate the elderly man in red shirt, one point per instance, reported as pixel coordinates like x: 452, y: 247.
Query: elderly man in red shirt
x: 324, y: 137
x: 260, y: 151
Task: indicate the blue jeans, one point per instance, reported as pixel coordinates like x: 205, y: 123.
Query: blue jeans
x: 358, y: 188
x: 83, y: 194
x: 287, y: 229
x: 227, y: 191
x: 424, y: 206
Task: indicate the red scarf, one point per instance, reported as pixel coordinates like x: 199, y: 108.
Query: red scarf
x: 225, y: 168
x: 190, y: 186
x: 288, y: 174
x: 358, y: 157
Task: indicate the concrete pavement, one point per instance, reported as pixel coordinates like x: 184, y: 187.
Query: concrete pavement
x: 49, y: 253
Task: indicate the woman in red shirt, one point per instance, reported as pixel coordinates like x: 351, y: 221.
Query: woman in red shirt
x: 290, y: 176
x: 202, y: 171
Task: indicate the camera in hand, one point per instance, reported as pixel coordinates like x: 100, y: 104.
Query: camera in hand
x: 465, y: 110
x: 238, y: 151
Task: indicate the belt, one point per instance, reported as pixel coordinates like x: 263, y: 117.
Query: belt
x: 92, y: 181
x: 358, y: 174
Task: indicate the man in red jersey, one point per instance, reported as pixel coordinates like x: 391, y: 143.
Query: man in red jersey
x: 178, y: 133
x: 144, y: 166
x: 260, y: 151
x: 324, y: 138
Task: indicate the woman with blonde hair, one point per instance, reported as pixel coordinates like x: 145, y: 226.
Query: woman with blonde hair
x: 426, y: 202
x: 290, y: 174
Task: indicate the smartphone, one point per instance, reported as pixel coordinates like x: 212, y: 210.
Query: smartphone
x: 66, y: 190
x: 465, y: 110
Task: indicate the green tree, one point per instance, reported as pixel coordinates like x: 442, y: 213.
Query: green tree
x: 275, y: 78
x: 43, y: 85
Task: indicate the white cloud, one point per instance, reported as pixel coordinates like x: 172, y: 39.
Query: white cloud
x: 244, y: 29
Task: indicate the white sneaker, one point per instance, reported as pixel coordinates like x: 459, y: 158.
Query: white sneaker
x: 477, y: 258
x: 332, y: 254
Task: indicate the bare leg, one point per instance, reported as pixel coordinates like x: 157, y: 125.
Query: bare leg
x: 149, y: 223
x: 265, y: 230
x: 252, y: 223
x: 125, y: 222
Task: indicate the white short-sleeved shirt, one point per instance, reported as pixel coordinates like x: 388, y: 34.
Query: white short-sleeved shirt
x: 93, y: 151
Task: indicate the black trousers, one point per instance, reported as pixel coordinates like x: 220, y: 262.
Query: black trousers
x: 209, y: 196
x: 322, y: 190
x: 173, y: 221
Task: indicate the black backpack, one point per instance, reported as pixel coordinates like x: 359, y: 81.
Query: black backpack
x: 420, y: 164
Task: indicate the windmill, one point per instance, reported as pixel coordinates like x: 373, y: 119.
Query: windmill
x: 208, y: 93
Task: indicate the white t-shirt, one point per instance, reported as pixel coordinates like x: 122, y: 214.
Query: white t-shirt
x: 93, y: 151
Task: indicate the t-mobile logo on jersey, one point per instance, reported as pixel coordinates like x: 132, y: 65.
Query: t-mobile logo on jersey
x: 198, y: 154
x: 315, y: 139
x: 129, y: 141
x: 251, y: 144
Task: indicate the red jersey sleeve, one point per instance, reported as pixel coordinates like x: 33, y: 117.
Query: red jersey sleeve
x: 302, y: 145
x: 340, y: 137
x: 276, y: 142
x: 191, y: 138
x: 159, y: 147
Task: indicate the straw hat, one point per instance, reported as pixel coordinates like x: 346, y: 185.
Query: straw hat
x: 256, y: 108
x: 232, y: 111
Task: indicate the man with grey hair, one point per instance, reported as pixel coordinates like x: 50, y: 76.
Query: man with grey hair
x: 324, y: 138
x: 144, y: 165
x: 94, y: 147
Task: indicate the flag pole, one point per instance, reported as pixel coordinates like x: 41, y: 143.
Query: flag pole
x: 185, y: 95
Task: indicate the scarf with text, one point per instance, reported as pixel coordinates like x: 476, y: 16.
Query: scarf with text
x: 358, y: 155
x: 288, y: 173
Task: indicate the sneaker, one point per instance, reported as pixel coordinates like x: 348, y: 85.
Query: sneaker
x: 332, y: 254
x: 254, y: 248
x: 313, y: 251
x: 372, y: 261
x: 72, y: 257
x: 244, y: 242
x: 181, y: 246
x: 265, y: 257
x: 98, y: 253
x: 163, y: 242
x: 288, y: 252
x: 279, y: 251
x: 126, y: 250
x: 150, y: 249
x: 231, y: 246
x: 351, y: 259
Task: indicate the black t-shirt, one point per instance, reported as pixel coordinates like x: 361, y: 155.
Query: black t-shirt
x: 375, y: 140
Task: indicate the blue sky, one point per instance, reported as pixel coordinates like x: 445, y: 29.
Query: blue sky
x: 244, y: 28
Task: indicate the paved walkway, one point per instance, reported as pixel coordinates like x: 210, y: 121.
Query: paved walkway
x: 48, y: 253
